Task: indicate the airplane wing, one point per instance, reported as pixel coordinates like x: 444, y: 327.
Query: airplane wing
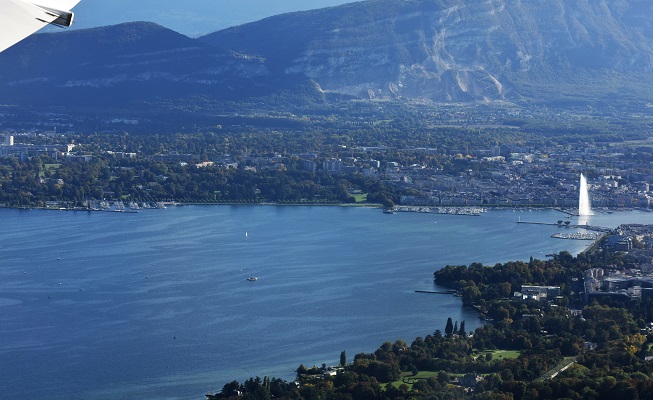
x: 21, y: 18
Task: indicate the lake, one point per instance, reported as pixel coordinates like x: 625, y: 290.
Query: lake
x: 156, y: 304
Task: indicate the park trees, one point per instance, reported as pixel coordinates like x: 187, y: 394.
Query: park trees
x: 448, y: 329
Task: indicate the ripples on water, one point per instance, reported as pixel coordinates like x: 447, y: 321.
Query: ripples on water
x: 156, y: 304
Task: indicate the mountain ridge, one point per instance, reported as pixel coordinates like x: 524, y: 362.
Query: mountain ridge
x: 436, y: 50
x: 125, y: 63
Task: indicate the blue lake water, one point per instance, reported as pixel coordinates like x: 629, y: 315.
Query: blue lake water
x: 156, y: 304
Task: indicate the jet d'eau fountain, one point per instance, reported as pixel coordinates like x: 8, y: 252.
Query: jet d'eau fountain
x: 584, y: 206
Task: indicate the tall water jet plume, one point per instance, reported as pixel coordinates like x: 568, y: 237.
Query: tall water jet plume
x: 584, y: 206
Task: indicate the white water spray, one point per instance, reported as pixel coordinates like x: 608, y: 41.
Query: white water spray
x: 584, y: 206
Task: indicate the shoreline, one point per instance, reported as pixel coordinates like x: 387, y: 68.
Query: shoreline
x: 179, y: 204
x: 398, y: 208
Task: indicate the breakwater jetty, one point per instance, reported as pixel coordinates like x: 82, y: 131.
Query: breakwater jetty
x: 587, y: 227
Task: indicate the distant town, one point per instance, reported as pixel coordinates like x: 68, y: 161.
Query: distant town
x: 276, y: 167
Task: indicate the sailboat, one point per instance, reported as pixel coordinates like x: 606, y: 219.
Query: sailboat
x: 251, y: 278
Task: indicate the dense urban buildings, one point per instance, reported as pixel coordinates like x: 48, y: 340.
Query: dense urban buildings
x: 502, y: 175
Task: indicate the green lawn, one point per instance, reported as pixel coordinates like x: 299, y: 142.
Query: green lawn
x: 409, y: 376
x: 360, y: 198
x: 498, y: 354
x: 503, y: 354
x: 50, y: 168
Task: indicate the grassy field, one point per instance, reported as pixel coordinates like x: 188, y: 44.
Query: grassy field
x: 501, y: 354
x: 408, y: 378
x: 360, y: 198
x: 50, y: 168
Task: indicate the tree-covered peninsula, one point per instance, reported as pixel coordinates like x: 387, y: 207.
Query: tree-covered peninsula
x: 560, y: 346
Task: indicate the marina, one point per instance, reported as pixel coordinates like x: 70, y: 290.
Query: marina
x: 578, y: 236
x: 473, y: 211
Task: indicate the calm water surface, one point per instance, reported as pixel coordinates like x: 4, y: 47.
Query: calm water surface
x: 156, y: 304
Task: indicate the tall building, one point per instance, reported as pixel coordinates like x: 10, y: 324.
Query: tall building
x: 308, y: 165
x: 9, y: 140
x: 331, y: 166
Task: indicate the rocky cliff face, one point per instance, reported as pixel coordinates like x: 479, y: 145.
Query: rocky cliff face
x: 454, y: 50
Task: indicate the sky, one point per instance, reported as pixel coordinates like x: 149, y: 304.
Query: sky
x: 191, y: 17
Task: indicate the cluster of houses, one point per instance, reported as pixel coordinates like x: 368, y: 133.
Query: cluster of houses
x: 513, y: 176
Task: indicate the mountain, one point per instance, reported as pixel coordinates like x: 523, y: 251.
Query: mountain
x: 192, y: 18
x: 123, y: 64
x: 459, y: 50
x: 535, y: 51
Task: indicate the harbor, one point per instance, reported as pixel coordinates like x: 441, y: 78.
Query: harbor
x: 578, y: 236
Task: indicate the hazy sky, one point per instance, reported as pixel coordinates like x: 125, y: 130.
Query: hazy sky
x: 190, y: 17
